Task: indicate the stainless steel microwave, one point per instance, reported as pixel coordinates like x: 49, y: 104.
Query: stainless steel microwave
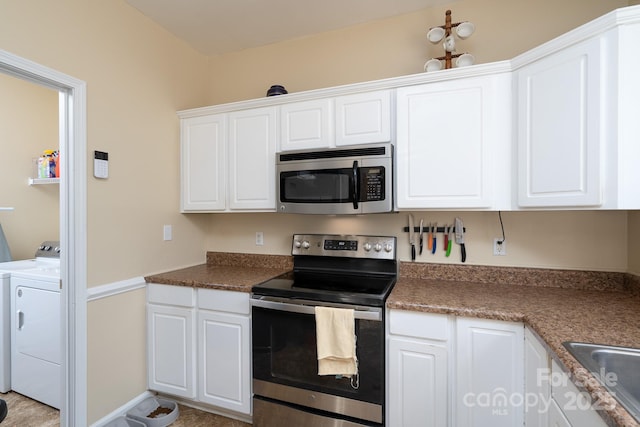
x: 350, y: 180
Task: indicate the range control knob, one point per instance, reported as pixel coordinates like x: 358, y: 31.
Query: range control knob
x: 377, y: 247
x: 297, y: 243
x: 305, y: 244
x: 367, y: 246
x: 388, y: 247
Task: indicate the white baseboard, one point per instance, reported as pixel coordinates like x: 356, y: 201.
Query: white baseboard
x: 123, y: 409
x: 115, y: 288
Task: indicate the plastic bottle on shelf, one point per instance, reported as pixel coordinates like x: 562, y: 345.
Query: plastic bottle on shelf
x: 50, y: 166
x: 43, y: 167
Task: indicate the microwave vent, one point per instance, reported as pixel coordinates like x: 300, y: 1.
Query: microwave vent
x: 330, y: 154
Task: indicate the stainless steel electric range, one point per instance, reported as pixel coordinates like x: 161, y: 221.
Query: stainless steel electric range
x: 340, y: 271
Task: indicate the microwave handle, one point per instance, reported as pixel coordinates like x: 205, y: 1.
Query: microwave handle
x: 356, y: 184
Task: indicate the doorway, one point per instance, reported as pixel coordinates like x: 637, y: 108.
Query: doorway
x: 73, y: 227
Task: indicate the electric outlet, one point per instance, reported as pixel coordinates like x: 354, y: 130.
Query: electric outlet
x: 259, y: 238
x: 499, y: 247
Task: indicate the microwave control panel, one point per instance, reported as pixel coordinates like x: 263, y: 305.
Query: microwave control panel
x: 372, y: 183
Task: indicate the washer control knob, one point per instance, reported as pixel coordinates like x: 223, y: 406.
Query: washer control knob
x: 305, y: 244
x: 367, y: 247
x: 377, y: 247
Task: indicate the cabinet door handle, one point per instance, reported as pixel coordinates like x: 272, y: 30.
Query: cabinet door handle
x: 20, y: 319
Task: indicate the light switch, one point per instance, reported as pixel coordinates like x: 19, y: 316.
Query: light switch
x: 166, y: 232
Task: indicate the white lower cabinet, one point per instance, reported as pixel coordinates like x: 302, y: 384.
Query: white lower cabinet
x: 171, y: 340
x: 199, y: 345
x: 556, y: 417
x: 576, y: 406
x: 551, y: 399
x: 537, y: 370
x: 418, y: 374
x: 453, y: 371
x: 489, y: 373
x: 224, y: 348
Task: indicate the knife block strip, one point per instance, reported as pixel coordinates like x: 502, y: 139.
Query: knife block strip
x: 438, y: 229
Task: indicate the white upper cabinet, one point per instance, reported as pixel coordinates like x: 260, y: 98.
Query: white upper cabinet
x: 252, y: 148
x: 359, y: 118
x: 203, y: 163
x: 306, y: 124
x: 453, y: 145
x: 363, y: 118
x: 559, y: 128
x: 228, y: 161
x: 577, y: 118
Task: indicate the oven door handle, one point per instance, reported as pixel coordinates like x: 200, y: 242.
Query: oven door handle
x: 374, y: 314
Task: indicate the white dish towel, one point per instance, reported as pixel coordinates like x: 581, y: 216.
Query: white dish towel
x: 336, y: 341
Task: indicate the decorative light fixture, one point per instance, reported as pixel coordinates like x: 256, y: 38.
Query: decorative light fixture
x: 435, y: 35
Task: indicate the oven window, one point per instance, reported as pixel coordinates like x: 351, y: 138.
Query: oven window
x: 317, y: 186
x: 284, y: 352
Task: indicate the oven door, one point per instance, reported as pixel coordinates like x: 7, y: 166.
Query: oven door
x: 285, y: 364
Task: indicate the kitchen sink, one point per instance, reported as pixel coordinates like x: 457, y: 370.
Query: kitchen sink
x: 603, y: 361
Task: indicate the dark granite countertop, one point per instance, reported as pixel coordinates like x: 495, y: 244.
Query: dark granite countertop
x: 557, y: 305
x: 226, y: 271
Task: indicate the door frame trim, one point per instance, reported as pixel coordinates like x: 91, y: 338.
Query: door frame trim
x: 73, y: 227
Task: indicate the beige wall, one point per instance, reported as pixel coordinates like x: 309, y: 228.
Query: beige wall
x: 534, y: 239
x: 396, y: 46
x: 28, y: 126
x: 138, y: 76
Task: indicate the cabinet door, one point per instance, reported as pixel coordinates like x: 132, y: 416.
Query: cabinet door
x: 252, y: 147
x: 306, y: 124
x: 578, y: 407
x: 453, y: 143
x: 418, y: 392
x: 224, y: 362
x: 537, y: 371
x: 363, y: 118
x: 489, y: 373
x: 203, y: 161
x: 559, y: 128
x: 556, y: 417
x: 170, y: 341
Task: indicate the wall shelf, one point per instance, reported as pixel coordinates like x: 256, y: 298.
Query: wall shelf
x: 40, y: 181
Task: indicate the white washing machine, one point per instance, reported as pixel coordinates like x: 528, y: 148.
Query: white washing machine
x: 31, y: 324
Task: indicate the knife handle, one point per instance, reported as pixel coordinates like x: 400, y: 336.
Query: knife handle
x: 449, y: 245
x: 433, y: 250
x: 446, y: 241
x: 413, y: 252
x: 464, y: 252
